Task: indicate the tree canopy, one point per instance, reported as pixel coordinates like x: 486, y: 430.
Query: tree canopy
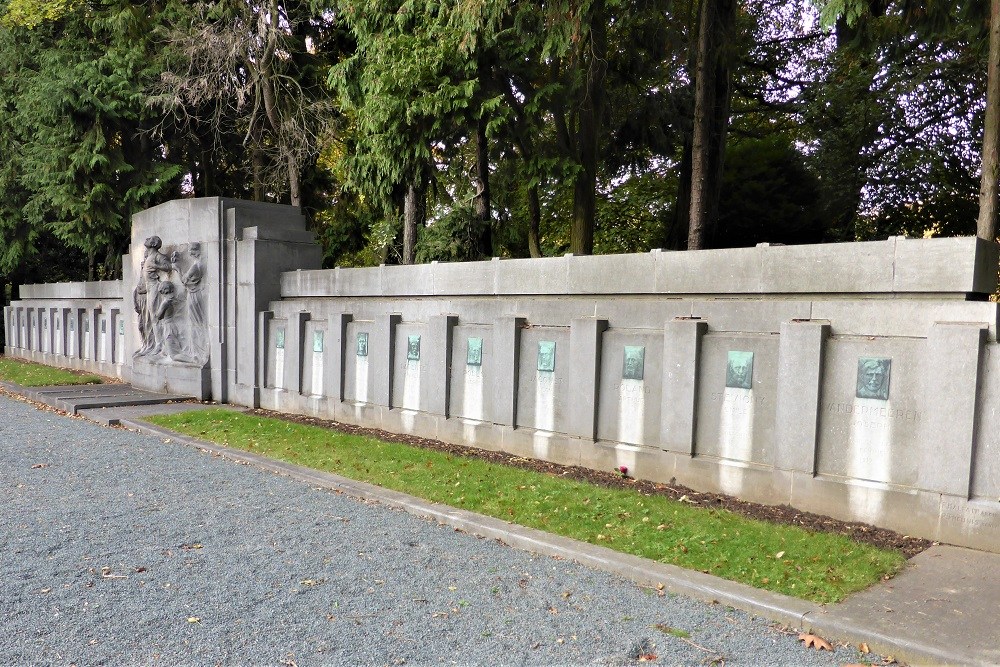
x: 422, y: 130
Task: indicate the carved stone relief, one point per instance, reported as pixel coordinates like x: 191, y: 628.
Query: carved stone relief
x: 169, y: 300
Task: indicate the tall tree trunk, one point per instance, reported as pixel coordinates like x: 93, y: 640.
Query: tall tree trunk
x: 588, y: 139
x: 534, y: 222
x: 481, y: 202
x: 411, y: 214
x: 711, y: 118
x: 675, y: 238
x: 986, y: 227
x: 258, y: 167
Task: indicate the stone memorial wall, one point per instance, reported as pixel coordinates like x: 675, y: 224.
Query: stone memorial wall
x: 856, y: 380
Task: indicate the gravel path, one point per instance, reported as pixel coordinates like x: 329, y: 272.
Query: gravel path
x: 118, y: 548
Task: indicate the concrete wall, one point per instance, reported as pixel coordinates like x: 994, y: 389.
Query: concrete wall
x: 70, y: 325
x: 856, y: 380
x: 922, y: 460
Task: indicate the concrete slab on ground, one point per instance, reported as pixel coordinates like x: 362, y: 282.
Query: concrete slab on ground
x: 73, y: 398
x: 946, y: 600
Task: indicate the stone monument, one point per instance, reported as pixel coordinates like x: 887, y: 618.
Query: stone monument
x: 199, y: 272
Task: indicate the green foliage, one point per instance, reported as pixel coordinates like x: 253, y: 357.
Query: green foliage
x: 32, y: 13
x: 76, y: 113
x: 822, y: 567
x: 451, y: 238
x: 768, y: 195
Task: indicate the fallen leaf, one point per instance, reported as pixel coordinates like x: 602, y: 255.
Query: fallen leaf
x: 647, y: 657
x: 140, y: 569
x: 196, y: 545
x: 194, y: 619
x: 815, y: 642
x: 864, y: 648
x: 39, y: 465
x: 46, y: 590
x: 778, y: 555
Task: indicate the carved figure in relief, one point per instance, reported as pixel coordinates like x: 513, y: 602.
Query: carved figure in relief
x: 169, y: 337
x: 192, y: 280
x: 146, y: 295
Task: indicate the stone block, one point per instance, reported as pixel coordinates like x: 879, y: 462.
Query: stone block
x: 864, y: 438
x: 900, y: 317
x: 951, y: 372
x: 681, y: 350
x: 295, y: 350
x: 726, y: 271
x: 504, y: 368
x: 799, y: 378
x: 543, y: 395
x: 629, y: 408
x: 986, y: 449
x: 736, y: 419
x: 758, y: 316
x: 410, y: 369
x: 437, y: 356
x: 470, y: 384
x: 828, y: 268
x: 584, y: 375
x: 961, y: 265
x: 382, y: 347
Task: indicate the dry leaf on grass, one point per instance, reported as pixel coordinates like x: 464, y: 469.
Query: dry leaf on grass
x: 647, y: 657
x: 864, y: 648
x: 815, y: 642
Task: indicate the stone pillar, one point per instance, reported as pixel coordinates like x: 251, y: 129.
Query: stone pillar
x: 94, y: 314
x: 505, y: 361
x: 951, y: 374
x: 800, y: 375
x: 678, y: 402
x: 295, y: 350
x: 435, y: 391
x: 263, y: 353
x: 116, y: 331
x: 384, y: 349
x: 76, y: 332
x: 33, y: 329
x: 336, y: 355
x: 585, y: 336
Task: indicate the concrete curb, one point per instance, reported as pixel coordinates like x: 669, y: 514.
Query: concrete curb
x: 783, y: 609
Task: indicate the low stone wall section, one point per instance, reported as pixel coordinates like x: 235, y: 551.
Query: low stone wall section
x: 865, y: 406
x: 70, y: 325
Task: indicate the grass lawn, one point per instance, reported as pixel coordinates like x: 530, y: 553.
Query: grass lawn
x: 28, y: 374
x: 821, y: 567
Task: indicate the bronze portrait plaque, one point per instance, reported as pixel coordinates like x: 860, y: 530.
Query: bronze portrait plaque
x: 873, y: 378
x: 413, y: 347
x: 317, y: 341
x: 633, y: 363
x: 739, y: 370
x: 279, y: 337
x: 363, y: 344
x: 547, y: 356
x: 474, y: 354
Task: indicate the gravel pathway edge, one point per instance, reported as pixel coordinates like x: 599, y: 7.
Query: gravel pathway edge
x: 786, y: 610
